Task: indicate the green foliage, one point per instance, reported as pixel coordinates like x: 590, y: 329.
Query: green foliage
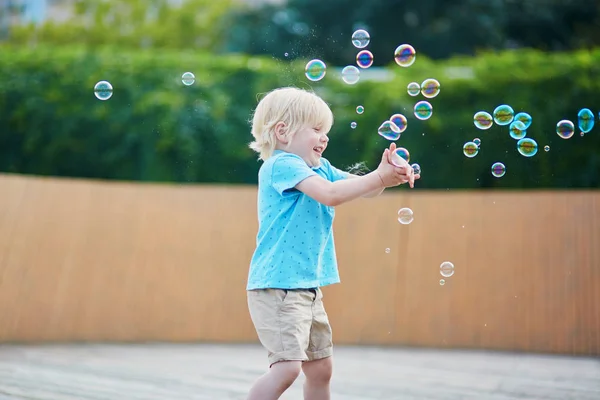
x: 156, y: 129
x: 436, y: 28
x: 187, y: 24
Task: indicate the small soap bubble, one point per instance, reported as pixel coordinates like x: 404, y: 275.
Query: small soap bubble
x: 442, y: 282
x: 353, y: 125
x: 524, y: 118
x: 483, y: 120
x: 477, y: 141
x: 350, y: 74
x: 413, y: 89
x: 546, y: 148
x: 389, y: 130
x: 400, y: 121
x: 585, y: 120
x: 360, y: 109
x: 364, y: 59
x: 416, y: 169
x: 565, y: 129
x: 360, y: 38
x: 423, y: 110
x: 581, y: 134
x: 527, y: 147
x: 517, y: 130
x: 286, y: 54
x: 188, y: 78
x: 103, y: 90
x: 387, y: 250
x: 405, y: 216
x: 498, y: 170
x: 399, y: 153
x: 405, y: 55
x: 315, y: 70
x: 503, y: 115
x: 430, y: 88
x: 447, y: 269
x: 470, y: 149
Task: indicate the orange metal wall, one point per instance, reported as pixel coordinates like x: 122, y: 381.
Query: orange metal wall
x: 105, y: 261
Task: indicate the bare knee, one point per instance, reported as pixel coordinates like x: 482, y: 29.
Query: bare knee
x: 286, y: 372
x: 318, y: 372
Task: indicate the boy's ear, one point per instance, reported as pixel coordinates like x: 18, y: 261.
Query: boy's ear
x: 281, y: 132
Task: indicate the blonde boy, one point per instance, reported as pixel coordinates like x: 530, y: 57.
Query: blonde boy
x: 295, y: 254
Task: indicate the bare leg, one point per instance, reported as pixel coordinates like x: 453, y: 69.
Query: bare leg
x: 318, y: 375
x: 271, y: 385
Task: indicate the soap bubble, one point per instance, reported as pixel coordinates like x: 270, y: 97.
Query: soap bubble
x: 400, y: 152
x: 524, y: 118
x: 416, y: 169
x: 470, y: 149
x: 389, y: 130
x: 413, y: 89
x: 350, y: 74
x: 527, y: 147
x: 405, y: 55
x: 364, y: 59
x: 405, y: 216
x: 447, y: 269
x: 498, y: 170
x: 483, y: 120
x: 430, y: 88
x: 360, y: 109
x: 517, y: 130
x: 400, y: 121
x: 315, y: 70
x: 504, y: 114
x: 423, y: 110
x: 188, y: 78
x: 360, y: 38
x: 103, y: 90
x: 353, y: 125
x: 585, y: 120
x: 565, y: 129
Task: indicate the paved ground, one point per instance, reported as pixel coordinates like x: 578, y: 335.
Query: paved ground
x: 186, y: 372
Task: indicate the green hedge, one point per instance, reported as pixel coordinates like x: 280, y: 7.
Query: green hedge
x: 156, y: 129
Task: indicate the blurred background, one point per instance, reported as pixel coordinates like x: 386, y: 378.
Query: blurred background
x: 134, y: 219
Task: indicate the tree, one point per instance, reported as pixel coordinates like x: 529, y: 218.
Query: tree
x: 135, y: 23
x: 436, y: 28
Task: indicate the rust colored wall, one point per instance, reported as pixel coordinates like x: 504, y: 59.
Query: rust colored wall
x: 105, y: 261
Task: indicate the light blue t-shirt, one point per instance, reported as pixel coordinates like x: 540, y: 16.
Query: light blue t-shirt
x: 294, y: 245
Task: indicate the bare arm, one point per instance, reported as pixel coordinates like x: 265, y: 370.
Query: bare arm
x: 342, y: 191
x: 374, y: 193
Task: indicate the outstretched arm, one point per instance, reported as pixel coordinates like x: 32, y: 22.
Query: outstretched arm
x: 374, y: 193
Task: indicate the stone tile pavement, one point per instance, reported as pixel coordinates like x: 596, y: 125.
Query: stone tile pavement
x: 210, y: 371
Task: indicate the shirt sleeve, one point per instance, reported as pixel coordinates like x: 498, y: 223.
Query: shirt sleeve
x: 333, y: 173
x: 288, y: 171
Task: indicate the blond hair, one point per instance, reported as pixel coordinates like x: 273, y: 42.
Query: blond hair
x: 294, y: 107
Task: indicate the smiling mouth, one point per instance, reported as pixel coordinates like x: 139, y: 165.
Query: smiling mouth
x: 318, y: 150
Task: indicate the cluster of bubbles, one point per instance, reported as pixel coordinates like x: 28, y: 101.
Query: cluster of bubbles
x: 429, y: 88
x: 565, y: 128
x: 518, y: 124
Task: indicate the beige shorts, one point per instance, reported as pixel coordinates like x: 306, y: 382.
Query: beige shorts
x: 291, y: 323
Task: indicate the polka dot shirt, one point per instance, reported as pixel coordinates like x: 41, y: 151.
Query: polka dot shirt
x: 294, y: 244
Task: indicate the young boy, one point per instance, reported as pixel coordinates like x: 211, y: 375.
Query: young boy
x: 295, y: 255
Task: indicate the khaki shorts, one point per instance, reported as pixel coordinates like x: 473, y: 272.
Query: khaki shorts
x: 291, y: 323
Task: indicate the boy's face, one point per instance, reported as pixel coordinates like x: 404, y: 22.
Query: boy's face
x: 309, y: 143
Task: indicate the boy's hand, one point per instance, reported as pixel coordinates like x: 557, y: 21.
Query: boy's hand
x: 392, y: 175
x: 409, y: 173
